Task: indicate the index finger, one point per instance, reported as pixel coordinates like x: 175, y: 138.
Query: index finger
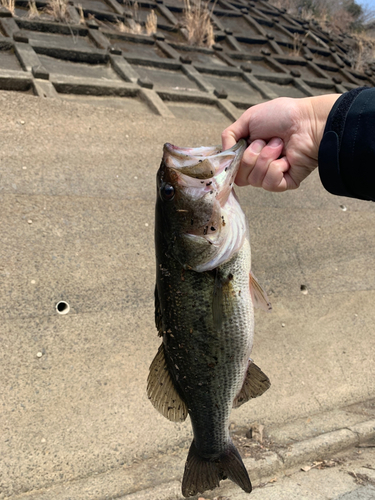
x: 238, y: 130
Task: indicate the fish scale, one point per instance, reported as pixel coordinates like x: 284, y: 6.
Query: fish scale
x: 214, y: 363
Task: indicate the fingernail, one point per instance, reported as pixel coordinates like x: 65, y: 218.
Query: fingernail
x: 256, y: 146
x: 275, y: 142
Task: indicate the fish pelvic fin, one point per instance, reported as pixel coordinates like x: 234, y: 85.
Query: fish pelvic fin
x: 162, y: 392
x: 255, y: 384
x: 202, y: 474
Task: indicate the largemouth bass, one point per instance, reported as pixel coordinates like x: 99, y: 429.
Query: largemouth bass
x: 204, y: 299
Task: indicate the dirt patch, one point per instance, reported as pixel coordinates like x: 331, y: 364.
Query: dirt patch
x: 249, y: 447
x: 362, y: 479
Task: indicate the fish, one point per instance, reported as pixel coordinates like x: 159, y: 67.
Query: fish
x: 204, y: 297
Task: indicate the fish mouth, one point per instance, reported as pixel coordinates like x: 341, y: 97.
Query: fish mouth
x: 202, y: 162
x: 205, y: 169
x: 209, y: 224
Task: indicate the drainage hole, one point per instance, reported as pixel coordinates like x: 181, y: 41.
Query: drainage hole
x: 62, y: 307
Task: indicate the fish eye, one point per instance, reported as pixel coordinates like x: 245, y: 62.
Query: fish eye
x: 167, y: 192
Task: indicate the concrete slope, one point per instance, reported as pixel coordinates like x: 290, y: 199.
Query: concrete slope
x: 77, y: 195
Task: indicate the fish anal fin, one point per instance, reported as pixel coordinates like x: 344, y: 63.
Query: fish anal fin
x: 258, y: 295
x: 255, y: 384
x: 162, y: 392
x: 202, y: 474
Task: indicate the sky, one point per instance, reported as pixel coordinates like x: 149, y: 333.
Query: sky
x: 367, y: 3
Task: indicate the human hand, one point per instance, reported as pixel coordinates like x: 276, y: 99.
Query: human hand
x: 285, y: 135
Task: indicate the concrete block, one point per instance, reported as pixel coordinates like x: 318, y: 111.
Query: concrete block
x: 320, y: 447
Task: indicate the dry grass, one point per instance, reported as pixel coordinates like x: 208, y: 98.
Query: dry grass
x: 151, y: 23
x: 334, y: 16
x: 133, y: 7
x: 120, y: 26
x: 362, y: 53
x: 58, y: 9
x: 314, y: 9
x: 8, y: 4
x: 134, y: 25
x: 197, y: 22
x: 298, y: 43
x: 81, y: 14
x: 33, y: 10
x: 289, y: 5
x: 340, y: 22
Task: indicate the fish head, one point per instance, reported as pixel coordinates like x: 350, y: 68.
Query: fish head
x: 198, y: 218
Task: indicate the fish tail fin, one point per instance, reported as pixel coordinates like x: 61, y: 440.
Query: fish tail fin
x: 202, y: 474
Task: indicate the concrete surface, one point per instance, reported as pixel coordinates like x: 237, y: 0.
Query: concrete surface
x: 269, y: 457
x: 260, y: 52
x: 346, y: 476
x: 349, y: 476
x: 77, y: 199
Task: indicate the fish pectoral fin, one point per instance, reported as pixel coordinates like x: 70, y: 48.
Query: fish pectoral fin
x: 255, y: 384
x: 162, y: 392
x: 258, y: 295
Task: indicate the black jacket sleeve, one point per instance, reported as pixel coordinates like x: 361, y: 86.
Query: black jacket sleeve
x: 347, y: 150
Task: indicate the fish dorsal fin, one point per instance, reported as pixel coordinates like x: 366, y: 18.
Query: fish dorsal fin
x: 162, y: 392
x: 255, y: 384
x: 258, y: 295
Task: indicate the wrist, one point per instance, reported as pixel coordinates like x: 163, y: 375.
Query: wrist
x: 320, y: 108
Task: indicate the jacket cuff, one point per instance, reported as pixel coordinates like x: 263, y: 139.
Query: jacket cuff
x: 344, y: 154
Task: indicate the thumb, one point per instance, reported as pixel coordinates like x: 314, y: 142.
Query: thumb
x: 238, y: 130
x: 228, y: 138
